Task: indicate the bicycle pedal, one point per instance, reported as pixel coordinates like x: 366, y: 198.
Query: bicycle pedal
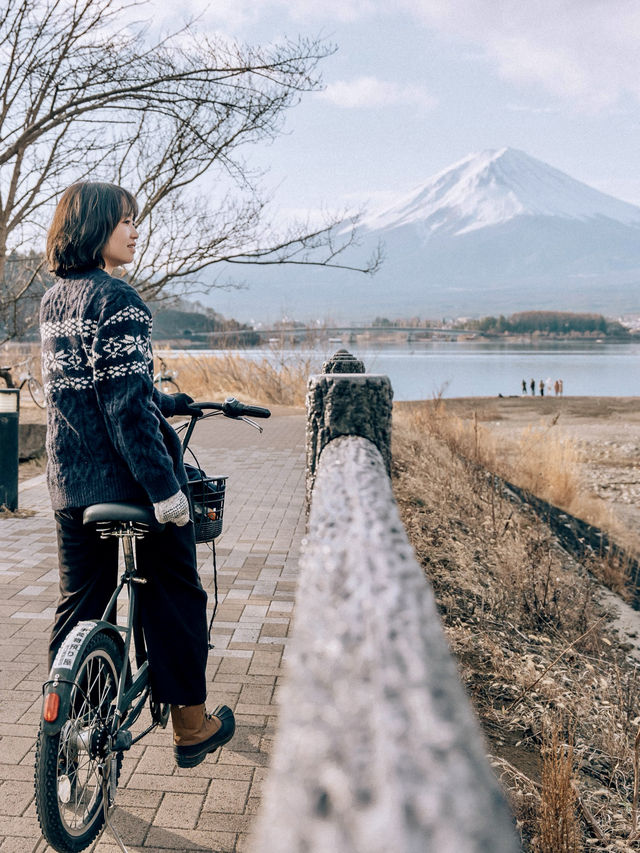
x: 138, y: 580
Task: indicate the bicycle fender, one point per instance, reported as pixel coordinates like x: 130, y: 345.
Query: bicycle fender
x: 65, y: 668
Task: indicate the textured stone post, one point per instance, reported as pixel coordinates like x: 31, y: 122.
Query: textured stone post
x: 343, y: 361
x: 378, y: 750
x: 354, y: 403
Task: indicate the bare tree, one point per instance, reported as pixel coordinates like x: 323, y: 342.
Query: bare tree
x: 83, y: 96
x: 21, y: 289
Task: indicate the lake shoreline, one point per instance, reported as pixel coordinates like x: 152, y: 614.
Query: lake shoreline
x: 453, y: 369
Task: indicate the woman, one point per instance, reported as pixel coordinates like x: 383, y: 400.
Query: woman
x: 108, y: 440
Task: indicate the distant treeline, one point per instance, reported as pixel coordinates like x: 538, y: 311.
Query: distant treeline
x: 405, y: 323
x: 559, y: 323
x: 201, y: 326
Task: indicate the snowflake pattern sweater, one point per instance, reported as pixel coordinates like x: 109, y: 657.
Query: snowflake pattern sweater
x: 107, y: 434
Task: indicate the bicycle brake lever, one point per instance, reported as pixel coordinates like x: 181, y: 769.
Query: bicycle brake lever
x: 250, y: 422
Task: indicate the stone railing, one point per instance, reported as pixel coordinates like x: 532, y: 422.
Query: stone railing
x: 377, y: 749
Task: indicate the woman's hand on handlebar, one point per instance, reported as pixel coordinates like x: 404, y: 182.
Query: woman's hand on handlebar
x: 232, y: 408
x: 186, y: 406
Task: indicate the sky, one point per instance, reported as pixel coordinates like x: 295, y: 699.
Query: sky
x: 416, y: 85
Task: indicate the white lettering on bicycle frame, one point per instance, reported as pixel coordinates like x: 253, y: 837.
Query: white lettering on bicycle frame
x: 68, y: 651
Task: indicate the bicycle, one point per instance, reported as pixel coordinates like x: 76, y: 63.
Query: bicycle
x: 34, y: 386
x: 98, y: 685
x: 165, y: 379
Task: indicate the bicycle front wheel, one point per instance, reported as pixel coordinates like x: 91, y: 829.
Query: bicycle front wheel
x: 68, y: 785
x: 37, y: 392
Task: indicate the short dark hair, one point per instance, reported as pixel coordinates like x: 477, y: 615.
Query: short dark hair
x: 86, y: 216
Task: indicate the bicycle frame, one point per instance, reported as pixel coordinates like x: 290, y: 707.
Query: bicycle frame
x: 127, y: 532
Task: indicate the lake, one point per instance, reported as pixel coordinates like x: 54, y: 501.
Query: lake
x: 422, y: 370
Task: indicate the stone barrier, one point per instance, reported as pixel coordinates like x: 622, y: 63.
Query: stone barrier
x: 378, y: 749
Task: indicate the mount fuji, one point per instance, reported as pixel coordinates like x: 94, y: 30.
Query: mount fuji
x: 495, y: 187
x: 497, y: 232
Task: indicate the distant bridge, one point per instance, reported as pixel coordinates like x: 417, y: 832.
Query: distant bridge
x: 335, y: 332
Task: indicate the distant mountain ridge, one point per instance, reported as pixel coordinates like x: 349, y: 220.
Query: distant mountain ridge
x: 497, y: 232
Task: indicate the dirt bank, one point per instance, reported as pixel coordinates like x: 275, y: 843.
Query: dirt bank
x: 547, y: 654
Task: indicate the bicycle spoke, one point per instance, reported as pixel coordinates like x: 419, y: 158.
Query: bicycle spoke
x: 96, y: 689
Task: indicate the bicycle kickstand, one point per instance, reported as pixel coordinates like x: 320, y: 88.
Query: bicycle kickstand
x: 108, y: 772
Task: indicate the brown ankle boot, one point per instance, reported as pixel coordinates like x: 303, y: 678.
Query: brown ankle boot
x: 196, y: 733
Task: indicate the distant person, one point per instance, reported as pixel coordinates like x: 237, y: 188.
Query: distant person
x: 556, y: 387
x: 561, y: 387
x: 549, y: 385
x: 532, y: 385
x: 524, y: 386
x: 541, y: 386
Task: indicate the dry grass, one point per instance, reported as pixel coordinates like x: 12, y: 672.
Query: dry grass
x: 278, y: 381
x: 547, y: 463
x: 559, y: 831
x: 531, y: 639
x: 12, y: 353
x: 5, y: 512
x: 542, y: 459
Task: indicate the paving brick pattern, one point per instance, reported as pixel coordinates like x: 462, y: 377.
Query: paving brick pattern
x: 160, y: 807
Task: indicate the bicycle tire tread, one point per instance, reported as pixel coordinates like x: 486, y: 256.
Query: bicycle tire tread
x: 46, y: 776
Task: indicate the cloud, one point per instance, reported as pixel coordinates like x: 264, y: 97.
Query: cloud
x: 534, y: 110
x: 581, y: 51
x: 371, y: 93
x: 343, y: 11
x: 234, y: 14
x: 585, y: 51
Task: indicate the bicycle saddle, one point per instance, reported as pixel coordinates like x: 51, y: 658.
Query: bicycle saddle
x: 117, y: 511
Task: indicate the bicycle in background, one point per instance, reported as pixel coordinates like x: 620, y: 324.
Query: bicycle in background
x: 165, y: 379
x: 34, y: 386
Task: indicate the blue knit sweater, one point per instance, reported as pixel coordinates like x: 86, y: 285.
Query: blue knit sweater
x: 107, y: 436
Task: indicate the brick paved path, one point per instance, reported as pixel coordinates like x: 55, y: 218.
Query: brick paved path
x: 160, y: 807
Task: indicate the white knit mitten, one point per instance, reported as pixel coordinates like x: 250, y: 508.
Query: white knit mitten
x: 174, y: 509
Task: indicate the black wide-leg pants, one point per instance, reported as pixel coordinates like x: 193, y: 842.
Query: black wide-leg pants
x: 172, y: 602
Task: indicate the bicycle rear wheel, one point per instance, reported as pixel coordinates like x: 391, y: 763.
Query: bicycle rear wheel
x: 37, y: 392
x: 68, y: 785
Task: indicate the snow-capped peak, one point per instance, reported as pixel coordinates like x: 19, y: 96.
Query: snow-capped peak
x: 495, y: 186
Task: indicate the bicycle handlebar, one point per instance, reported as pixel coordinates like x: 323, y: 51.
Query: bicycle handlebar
x: 232, y: 408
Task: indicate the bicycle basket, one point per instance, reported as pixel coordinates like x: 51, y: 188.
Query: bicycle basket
x: 207, y: 502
